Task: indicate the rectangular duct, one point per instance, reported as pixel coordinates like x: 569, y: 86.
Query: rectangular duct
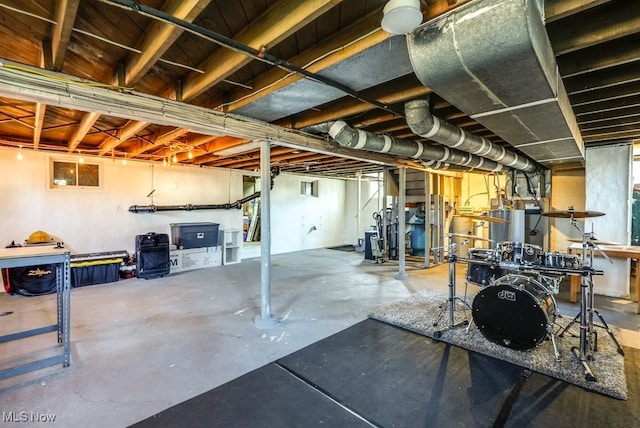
x: 493, y: 60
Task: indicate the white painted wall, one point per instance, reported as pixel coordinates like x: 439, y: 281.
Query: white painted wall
x: 99, y: 220
x: 370, y: 204
x: 477, y: 190
x: 301, y: 222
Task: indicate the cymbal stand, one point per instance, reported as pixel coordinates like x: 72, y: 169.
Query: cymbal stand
x: 588, y: 336
x: 450, y: 303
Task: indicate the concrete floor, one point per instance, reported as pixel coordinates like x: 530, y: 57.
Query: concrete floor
x: 140, y: 346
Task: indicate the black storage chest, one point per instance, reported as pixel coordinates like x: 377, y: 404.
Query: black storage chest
x: 194, y: 235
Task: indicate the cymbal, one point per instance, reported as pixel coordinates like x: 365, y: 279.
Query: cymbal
x: 486, y: 218
x: 573, y: 213
x: 595, y: 241
x: 478, y: 238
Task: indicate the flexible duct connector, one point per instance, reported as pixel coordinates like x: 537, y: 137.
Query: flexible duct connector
x: 423, y: 123
x: 359, y: 139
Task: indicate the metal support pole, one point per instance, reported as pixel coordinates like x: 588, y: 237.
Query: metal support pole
x: 438, y: 255
x: 402, y: 274
x: 265, y: 320
x: 386, y: 243
x: 427, y: 218
x: 359, y: 202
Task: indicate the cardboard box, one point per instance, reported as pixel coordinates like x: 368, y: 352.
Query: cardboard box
x: 194, y: 258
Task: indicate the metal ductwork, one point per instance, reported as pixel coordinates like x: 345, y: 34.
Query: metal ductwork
x: 492, y: 59
x: 422, y: 123
x: 434, y: 156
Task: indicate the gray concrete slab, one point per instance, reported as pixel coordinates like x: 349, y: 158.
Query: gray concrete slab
x: 141, y: 346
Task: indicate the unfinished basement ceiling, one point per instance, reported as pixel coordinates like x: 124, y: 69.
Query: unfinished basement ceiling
x: 334, y: 63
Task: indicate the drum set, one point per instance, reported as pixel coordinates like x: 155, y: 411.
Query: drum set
x: 515, y: 306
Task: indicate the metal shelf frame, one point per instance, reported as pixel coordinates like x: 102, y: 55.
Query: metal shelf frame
x: 32, y: 256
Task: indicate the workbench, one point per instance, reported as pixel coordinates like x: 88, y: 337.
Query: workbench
x: 34, y: 256
x: 622, y: 251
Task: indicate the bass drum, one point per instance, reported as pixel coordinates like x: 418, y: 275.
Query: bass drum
x: 516, y: 312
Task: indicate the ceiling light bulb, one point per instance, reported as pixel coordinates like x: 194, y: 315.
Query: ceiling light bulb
x: 164, y: 161
x: 401, y: 16
x: 190, y: 154
x: 19, y: 156
x: 175, y: 159
x: 124, y: 161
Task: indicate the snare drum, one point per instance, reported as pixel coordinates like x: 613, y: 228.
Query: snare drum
x: 561, y: 260
x: 483, y: 266
x: 519, y: 253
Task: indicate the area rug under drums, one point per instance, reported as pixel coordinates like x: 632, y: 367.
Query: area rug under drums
x: 418, y: 313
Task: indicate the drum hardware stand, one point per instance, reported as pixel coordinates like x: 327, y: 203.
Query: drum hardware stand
x: 552, y: 336
x: 550, y: 332
x: 588, y: 336
x: 589, y: 344
x: 450, y: 304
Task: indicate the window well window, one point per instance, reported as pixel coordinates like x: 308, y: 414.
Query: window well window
x: 78, y: 174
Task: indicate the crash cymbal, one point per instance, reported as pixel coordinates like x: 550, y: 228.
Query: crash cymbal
x: 572, y: 213
x: 478, y: 238
x: 486, y: 218
x: 595, y: 241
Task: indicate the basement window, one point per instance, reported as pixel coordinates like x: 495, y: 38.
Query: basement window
x: 65, y: 174
x: 309, y: 188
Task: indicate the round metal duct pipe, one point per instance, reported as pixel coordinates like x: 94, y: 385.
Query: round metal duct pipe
x: 359, y: 139
x: 423, y: 123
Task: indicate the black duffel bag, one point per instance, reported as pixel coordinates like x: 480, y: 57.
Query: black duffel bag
x: 30, y: 280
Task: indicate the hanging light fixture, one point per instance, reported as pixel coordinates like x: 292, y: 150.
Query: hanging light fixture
x: 19, y: 156
x: 164, y: 161
x: 401, y: 16
x: 175, y: 158
x: 81, y: 159
x: 190, y: 154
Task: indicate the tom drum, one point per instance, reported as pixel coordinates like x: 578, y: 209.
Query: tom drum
x: 519, y: 253
x: 562, y: 261
x: 483, y: 266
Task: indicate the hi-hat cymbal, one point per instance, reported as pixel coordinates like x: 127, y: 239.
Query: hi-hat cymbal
x: 486, y: 218
x: 478, y: 238
x: 572, y: 213
x: 595, y: 241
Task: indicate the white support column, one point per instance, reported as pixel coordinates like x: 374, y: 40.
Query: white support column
x: 265, y: 320
x: 402, y: 245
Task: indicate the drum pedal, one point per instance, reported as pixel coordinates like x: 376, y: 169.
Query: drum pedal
x: 588, y: 374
